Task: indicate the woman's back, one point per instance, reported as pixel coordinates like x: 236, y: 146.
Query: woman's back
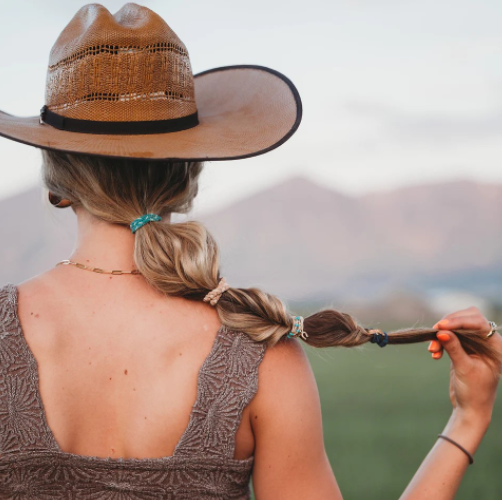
x: 118, y: 367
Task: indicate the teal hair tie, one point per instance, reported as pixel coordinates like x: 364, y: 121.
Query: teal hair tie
x: 144, y: 219
x: 298, y: 329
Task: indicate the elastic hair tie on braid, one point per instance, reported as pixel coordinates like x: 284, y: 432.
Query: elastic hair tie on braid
x: 214, y: 295
x: 144, y: 219
x: 298, y: 329
x: 379, y: 337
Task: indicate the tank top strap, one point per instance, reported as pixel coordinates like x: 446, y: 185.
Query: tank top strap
x: 228, y: 381
x: 21, y: 415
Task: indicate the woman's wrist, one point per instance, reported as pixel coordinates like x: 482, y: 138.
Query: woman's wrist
x: 467, y: 429
x: 470, y: 418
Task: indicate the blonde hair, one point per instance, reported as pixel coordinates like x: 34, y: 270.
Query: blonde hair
x: 182, y: 259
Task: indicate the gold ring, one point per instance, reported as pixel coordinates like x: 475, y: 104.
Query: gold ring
x: 493, y: 330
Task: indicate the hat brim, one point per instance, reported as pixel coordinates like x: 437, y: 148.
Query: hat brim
x: 244, y: 111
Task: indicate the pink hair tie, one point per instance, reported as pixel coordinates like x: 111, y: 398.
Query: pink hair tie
x: 214, y: 295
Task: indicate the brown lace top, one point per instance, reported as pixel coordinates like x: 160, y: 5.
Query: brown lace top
x: 202, y: 466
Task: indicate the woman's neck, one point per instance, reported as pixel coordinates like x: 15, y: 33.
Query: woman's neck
x: 102, y: 244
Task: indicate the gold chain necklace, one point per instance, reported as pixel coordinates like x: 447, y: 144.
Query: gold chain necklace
x: 95, y: 269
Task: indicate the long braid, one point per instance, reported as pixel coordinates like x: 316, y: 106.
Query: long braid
x: 183, y: 259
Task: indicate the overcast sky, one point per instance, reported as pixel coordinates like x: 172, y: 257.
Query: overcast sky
x: 395, y: 92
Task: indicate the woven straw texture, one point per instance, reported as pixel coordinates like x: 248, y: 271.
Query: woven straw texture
x: 125, y: 67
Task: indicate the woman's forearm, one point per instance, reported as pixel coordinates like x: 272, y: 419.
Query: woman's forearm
x: 442, y: 470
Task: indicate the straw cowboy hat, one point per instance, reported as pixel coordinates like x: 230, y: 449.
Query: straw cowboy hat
x: 122, y: 86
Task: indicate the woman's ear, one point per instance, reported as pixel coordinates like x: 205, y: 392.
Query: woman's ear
x: 58, y: 202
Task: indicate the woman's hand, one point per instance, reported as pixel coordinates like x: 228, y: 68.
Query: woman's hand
x: 472, y: 383
x: 473, y: 386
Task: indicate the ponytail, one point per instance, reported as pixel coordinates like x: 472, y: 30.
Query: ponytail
x: 182, y: 259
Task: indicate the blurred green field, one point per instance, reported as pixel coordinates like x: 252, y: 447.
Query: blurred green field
x: 382, y: 410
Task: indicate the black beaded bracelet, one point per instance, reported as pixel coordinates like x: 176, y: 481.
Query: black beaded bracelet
x: 471, y: 460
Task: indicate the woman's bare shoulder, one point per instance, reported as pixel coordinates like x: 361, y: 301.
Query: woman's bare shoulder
x: 290, y: 459
x: 33, y: 290
x: 287, y: 358
x: 42, y: 285
x: 285, y: 375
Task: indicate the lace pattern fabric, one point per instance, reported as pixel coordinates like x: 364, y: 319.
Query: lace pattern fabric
x: 202, y: 466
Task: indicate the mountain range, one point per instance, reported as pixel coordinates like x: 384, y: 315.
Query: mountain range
x: 306, y: 242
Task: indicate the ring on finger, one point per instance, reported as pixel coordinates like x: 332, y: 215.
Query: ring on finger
x: 493, y: 329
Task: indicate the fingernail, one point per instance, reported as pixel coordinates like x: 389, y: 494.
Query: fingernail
x: 443, y: 323
x: 436, y: 355
x: 434, y: 345
x: 443, y: 336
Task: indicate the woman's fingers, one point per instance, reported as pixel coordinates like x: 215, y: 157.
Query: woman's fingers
x: 451, y: 344
x: 466, y: 320
x: 436, y: 349
x: 475, y: 323
x: 471, y: 311
x: 435, y: 346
